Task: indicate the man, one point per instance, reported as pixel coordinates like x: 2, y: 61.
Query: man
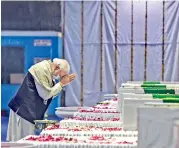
x: 35, y: 94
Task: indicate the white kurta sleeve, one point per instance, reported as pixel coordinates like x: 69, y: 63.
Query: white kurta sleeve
x: 41, y: 91
x: 46, y: 94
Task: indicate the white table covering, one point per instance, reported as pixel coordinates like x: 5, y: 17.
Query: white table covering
x: 87, y: 144
x: 155, y: 126
x: 65, y: 132
x: 101, y: 110
x: 176, y: 133
x: 97, y: 115
x: 106, y: 110
x: 129, y: 114
x: 74, y: 123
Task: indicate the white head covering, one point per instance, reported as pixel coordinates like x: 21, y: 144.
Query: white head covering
x: 63, y: 64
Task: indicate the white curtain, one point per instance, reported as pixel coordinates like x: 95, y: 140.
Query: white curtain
x: 92, y: 42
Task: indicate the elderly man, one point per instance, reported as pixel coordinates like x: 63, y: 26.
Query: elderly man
x: 35, y: 94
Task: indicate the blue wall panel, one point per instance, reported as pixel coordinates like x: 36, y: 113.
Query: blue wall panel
x: 7, y: 91
x: 31, y: 51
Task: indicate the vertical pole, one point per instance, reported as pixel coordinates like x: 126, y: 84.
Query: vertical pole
x: 132, y: 36
x: 63, y: 49
x: 145, y: 54
x: 163, y: 42
x: 101, y: 49
x: 82, y: 49
x: 116, y: 51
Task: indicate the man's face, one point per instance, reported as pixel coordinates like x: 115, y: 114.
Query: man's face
x: 59, y: 72
x: 62, y: 73
x: 56, y: 71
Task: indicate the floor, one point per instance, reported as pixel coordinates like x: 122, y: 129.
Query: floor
x: 4, y: 125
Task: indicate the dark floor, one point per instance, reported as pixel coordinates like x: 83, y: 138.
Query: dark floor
x: 4, y: 125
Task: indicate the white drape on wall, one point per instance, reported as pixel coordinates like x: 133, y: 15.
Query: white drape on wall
x: 92, y: 40
x: 172, y: 29
x: 91, y: 50
x: 72, y: 39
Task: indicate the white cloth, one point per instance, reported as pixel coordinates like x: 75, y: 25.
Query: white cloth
x: 155, y: 127
x: 18, y: 127
x: 74, y: 123
x: 94, y: 115
x: 83, y: 142
x: 41, y: 91
x: 129, y: 114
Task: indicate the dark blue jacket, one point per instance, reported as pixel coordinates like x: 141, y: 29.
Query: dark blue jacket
x: 27, y: 103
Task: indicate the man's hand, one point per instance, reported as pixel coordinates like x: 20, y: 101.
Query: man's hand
x: 67, y: 79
